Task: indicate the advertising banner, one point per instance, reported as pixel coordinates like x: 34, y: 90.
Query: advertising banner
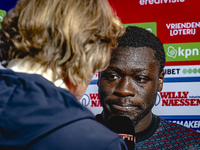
x: 177, y: 24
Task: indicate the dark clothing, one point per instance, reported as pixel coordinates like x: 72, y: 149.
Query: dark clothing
x: 37, y: 115
x: 164, y: 135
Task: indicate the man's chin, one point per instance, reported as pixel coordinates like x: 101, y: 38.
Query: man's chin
x: 135, y: 121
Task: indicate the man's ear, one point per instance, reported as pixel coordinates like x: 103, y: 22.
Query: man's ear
x: 160, y: 81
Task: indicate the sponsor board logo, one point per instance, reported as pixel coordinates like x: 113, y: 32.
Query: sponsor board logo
x: 85, y: 100
x: 95, y: 100
x: 2, y: 14
x: 182, y: 71
x: 177, y: 99
x: 182, y: 51
x: 150, y: 26
x: 158, y: 100
x: 191, y: 71
x: 91, y: 100
x: 95, y: 76
x: 151, y: 2
x: 163, y: 98
x: 187, y: 123
x: 129, y: 137
x: 172, y: 52
x: 174, y: 71
x: 192, y: 122
x: 187, y: 28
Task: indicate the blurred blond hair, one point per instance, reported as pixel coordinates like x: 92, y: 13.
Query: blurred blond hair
x: 74, y: 36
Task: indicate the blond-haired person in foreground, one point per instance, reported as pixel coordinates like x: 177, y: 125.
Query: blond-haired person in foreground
x: 51, y: 50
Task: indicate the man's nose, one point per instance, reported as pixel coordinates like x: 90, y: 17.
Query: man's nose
x: 125, y: 87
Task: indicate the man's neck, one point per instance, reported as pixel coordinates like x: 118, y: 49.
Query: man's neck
x: 143, y: 123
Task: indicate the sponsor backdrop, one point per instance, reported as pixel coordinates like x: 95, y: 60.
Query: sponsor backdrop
x: 177, y: 24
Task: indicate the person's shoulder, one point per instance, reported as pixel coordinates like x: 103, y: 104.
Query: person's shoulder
x: 111, y: 139
x: 82, y: 134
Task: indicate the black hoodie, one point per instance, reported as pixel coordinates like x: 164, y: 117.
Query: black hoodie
x: 35, y: 114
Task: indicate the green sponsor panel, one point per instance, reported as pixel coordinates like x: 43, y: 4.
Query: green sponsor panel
x: 182, y: 51
x: 2, y: 14
x: 151, y: 26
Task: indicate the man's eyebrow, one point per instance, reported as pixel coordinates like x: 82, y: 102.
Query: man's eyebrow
x: 114, y: 69
x: 138, y: 70
x: 120, y: 71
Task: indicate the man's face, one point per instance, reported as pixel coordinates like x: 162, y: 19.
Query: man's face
x: 128, y: 87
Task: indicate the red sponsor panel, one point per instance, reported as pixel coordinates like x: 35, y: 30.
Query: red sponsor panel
x: 182, y: 63
x: 178, y: 17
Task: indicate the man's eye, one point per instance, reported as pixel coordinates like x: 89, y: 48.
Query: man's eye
x: 141, y: 79
x: 112, y: 77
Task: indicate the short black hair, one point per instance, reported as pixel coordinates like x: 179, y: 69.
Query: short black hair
x: 139, y: 37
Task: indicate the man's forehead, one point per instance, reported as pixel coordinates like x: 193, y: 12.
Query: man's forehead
x: 132, y: 59
x: 124, y: 70
x: 130, y: 51
x: 128, y: 54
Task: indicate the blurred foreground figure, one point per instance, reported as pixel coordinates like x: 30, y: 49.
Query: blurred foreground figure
x: 129, y: 86
x: 51, y: 49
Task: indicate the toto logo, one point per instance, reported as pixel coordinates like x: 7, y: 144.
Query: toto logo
x: 85, y: 100
x: 158, y: 99
x: 149, y: 29
x: 1, y: 18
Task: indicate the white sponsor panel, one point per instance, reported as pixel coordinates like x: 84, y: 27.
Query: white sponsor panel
x: 91, y: 99
x: 175, y: 99
x: 178, y: 99
x: 182, y: 71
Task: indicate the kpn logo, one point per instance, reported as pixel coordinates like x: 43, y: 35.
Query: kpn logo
x: 182, y: 51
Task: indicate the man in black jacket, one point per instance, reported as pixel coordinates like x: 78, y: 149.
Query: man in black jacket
x: 129, y: 86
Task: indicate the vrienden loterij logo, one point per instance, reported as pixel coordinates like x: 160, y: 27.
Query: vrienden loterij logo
x: 151, y: 2
x: 186, y: 28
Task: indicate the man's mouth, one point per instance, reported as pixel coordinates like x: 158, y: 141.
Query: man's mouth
x: 124, y: 108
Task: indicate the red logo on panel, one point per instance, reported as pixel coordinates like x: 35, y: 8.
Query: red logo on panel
x: 95, y: 100
x: 179, y: 99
